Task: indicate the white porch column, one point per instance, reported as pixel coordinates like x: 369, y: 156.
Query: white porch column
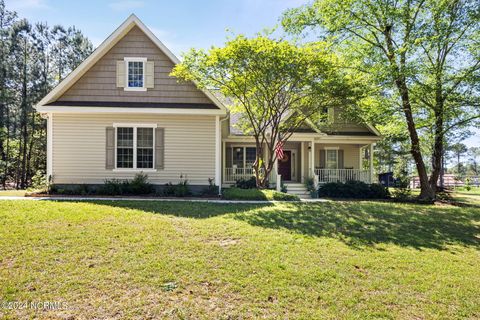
x: 360, y: 158
x: 50, y: 147
x: 371, y: 163
x: 224, y: 160
x: 275, y: 167
x: 218, y: 155
x: 312, y: 160
x: 302, y: 162
x: 275, y: 173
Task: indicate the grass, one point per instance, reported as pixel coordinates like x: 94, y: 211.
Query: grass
x: 473, y: 190
x: 334, y: 260
x: 256, y: 194
x: 13, y: 192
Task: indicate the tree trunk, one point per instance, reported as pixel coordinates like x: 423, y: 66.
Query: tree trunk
x: 442, y: 171
x: 7, y: 145
x: 438, y: 138
x: 29, y: 172
x: 261, y: 167
x: 24, y: 121
x: 426, y: 191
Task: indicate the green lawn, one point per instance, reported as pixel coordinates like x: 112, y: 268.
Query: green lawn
x: 12, y: 193
x: 257, y: 195
x: 334, y: 260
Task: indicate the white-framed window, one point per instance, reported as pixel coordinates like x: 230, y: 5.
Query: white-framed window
x: 331, y: 158
x: 134, y: 146
x: 135, y: 74
x: 241, y: 156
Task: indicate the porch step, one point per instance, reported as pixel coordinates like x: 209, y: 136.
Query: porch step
x: 298, y: 189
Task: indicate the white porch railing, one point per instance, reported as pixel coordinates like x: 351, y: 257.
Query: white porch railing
x: 234, y: 174
x: 342, y: 175
x: 231, y: 175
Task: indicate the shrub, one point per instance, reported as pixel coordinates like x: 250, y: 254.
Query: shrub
x: 468, y: 184
x: 212, y: 189
x: 112, y: 187
x: 180, y: 189
x: 257, y: 194
x: 402, y: 194
x: 310, y: 186
x: 82, y: 189
x: 169, y: 189
x: 140, y: 185
x: 116, y: 187
x: 353, y: 189
x: 246, y: 183
x: 39, y: 181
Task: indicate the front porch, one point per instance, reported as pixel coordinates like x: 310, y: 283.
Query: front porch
x: 325, y: 159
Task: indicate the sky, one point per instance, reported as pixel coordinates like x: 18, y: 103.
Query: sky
x: 179, y: 24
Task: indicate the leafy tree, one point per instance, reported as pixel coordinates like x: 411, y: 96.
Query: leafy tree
x: 7, y: 18
x: 28, y: 70
x: 274, y: 85
x: 458, y: 149
x: 474, y: 154
x: 423, y: 53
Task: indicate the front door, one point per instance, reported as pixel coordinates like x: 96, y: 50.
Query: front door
x: 285, y: 166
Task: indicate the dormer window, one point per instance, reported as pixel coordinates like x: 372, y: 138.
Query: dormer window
x: 135, y: 75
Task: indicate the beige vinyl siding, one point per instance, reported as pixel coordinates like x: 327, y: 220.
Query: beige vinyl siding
x: 351, y: 154
x: 79, y: 147
x: 100, y: 82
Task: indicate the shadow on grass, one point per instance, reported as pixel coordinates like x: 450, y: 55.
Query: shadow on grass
x: 198, y: 210
x: 358, y: 224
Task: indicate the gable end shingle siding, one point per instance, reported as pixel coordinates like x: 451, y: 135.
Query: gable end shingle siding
x: 100, y: 82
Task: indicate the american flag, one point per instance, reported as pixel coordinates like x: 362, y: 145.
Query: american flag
x: 279, y: 149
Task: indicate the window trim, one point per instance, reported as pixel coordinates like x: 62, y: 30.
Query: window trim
x: 326, y: 156
x: 144, y: 63
x: 244, y: 152
x: 153, y: 126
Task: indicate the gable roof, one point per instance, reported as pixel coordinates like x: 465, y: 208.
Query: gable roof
x: 50, y: 99
x: 307, y: 127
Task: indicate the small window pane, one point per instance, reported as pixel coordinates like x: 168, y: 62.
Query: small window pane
x: 228, y: 157
x: 145, y: 148
x: 135, y: 74
x: 331, y: 159
x: 124, y: 147
x: 125, y: 137
x: 251, y: 155
x: 145, y: 158
x: 237, y: 157
x: 145, y: 137
x: 125, y: 158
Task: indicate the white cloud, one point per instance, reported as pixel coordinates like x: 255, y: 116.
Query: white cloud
x: 26, y: 4
x: 126, y: 5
